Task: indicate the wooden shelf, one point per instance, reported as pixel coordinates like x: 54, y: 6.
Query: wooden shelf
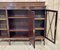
x: 39, y: 38
x: 13, y: 30
x: 17, y: 17
x: 3, y: 29
x: 16, y: 39
x: 39, y: 18
x: 39, y: 29
x: 2, y: 19
x: 27, y: 17
x: 18, y: 30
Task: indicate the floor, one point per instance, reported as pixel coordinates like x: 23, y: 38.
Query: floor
x: 17, y: 45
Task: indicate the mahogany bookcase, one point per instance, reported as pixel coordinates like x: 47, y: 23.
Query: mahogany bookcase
x: 26, y: 21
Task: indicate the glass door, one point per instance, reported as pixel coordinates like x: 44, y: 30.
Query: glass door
x: 51, y: 25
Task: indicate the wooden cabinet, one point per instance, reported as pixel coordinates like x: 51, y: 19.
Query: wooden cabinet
x: 24, y: 21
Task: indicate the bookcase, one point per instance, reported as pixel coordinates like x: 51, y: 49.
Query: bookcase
x: 24, y: 21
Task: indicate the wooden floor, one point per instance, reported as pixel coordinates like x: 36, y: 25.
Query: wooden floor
x: 17, y: 45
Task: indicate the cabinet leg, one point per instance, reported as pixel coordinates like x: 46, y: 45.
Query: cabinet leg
x: 9, y: 42
x: 33, y: 42
x: 44, y: 41
x: 30, y: 41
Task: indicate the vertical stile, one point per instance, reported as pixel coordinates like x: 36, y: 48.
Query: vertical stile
x: 31, y: 24
x: 8, y: 26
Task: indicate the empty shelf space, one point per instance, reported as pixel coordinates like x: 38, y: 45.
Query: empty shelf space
x: 20, y: 35
x: 2, y: 16
x: 39, y: 13
x: 39, y: 32
x: 39, y: 23
x: 17, y: 13
x: 2, y: 13
x: 39, y: 16
x: 3, y: 34
x: 3, y: 25
x: 19, y: 24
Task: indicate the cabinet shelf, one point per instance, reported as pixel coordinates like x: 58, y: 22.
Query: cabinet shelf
x: 18, y: 17
x: 39, y: 18
x: 39, y: 29
x: 39, y: 38
x: 3, y: 29
x: 2, y: 18
x: 18, y: 30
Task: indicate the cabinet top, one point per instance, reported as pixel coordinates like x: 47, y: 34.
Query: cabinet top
x: 22, y: 5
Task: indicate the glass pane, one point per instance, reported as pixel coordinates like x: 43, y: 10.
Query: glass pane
x: 19, y: 23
